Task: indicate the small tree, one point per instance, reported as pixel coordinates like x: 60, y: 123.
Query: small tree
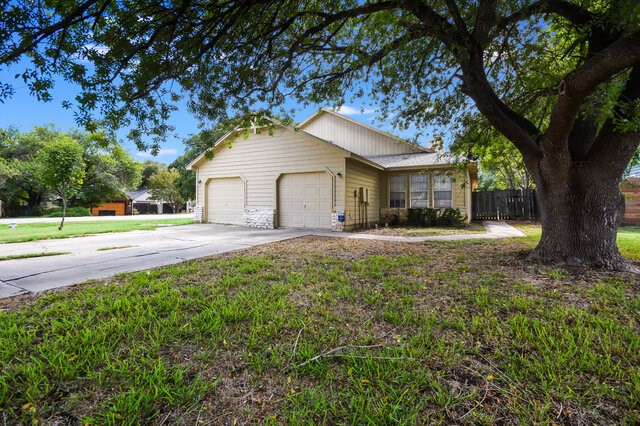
x: 107, y: 174
x: 150, y: 168
x: 163, y: 188
x: 62, y: 169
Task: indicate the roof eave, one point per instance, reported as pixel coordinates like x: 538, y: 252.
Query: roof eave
x: 365, y: 161
x: 199, y: 159
x: 422, y: 166
x: 196, y: 161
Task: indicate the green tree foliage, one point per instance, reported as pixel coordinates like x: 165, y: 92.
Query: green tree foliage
x: 163, y: 187
x: 6, y: 172
x: 62, y: 169
x: 150, y: 168
x: 194, y: 146
x: 560, y: 79
x: 501, y: 164
x: 108, y: 174
x: 22, y: 184
x: 109, y: 170
x: 635, y: 161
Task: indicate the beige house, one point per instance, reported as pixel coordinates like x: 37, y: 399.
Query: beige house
x: 330, y: 172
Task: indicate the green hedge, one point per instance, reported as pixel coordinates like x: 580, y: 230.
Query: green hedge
x: 76, y: 211
x: 435, y: 217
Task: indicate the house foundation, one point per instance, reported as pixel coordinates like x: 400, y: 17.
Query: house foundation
x: 259, y: 218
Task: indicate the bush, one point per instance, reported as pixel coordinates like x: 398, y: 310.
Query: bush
x: 38, y: 211
x: 452, y: 218
x: 394, y: 219
x: 435, y: 217
x: 415, y: 217
x: 76, y: 211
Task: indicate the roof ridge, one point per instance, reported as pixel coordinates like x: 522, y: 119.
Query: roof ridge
x: 359, y: 123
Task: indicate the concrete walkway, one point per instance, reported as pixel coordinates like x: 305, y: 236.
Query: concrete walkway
x: 495, y: 230
x: 103, y: 255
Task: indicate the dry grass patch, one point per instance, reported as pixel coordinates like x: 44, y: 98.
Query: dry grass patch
x: 473, y: 228
x: 330, y: 331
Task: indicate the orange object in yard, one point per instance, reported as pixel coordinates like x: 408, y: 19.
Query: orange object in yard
x: 113, y: 208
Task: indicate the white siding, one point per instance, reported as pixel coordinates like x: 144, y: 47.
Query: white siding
x: 357, y: 176
x: 354, y: 137
x: 262, y: 158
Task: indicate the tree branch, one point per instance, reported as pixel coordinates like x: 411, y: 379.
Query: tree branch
x: 76, y: 16
x: 580, y: 82
x: 520, y: 131
x: 435, y: 24
x: 457, y: 17
x: 485, y: 17
x: 612, y: 142
x: 574, y: 13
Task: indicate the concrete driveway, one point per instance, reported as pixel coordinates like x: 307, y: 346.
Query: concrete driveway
x: 144, y: 250
x: 104, y: 255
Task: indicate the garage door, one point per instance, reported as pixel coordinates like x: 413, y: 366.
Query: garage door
x: 304, y: 200
x: 225, y: 201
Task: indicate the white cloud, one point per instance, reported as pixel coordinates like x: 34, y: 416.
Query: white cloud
x: 167, y: 151
x: 347, y: 110
x: 101, y: 50
x: 81, y: 56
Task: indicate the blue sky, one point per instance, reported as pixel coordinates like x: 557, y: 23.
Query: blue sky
x: 24, y: 111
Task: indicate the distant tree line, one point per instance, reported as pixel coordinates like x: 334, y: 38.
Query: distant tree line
x: 81, y: 169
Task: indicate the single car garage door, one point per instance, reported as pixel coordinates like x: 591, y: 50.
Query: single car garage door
x: 304, y: 200
x: 225, y: 201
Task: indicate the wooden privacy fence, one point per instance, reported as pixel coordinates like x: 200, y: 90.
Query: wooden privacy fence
x: 506, y: 204
x: 630, y: 188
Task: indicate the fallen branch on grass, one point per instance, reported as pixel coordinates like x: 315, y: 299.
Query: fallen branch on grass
x: 332, y: 354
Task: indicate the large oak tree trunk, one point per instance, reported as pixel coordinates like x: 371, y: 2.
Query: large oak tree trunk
x: 581, y: 209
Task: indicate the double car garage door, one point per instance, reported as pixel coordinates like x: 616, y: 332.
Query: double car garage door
x: 304, y: 200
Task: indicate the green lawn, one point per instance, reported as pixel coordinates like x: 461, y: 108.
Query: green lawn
x: 43, y: 231
x: 629, y: 242
x: 330, y: 331
x: 30, y: 255
x: 628, y: 238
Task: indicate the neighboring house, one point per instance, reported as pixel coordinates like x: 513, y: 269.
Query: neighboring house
x: 331, y: 172
x: 143, y: 204
x: 635, y: 172
x: 118, y: 207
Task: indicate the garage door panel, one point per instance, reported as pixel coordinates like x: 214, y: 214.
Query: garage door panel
x: 225, y: 201
x: 305, y: 200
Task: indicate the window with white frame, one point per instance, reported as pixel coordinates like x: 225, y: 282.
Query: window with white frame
x: 419, y: 191
x: 397, y: 191
x: 442, y: 191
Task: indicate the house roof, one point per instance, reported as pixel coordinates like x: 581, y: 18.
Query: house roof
x: 140, y: 195
x: 351, y: 120
x: 423, y: 158
x: 202, y: 156
x: 415, y: 159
